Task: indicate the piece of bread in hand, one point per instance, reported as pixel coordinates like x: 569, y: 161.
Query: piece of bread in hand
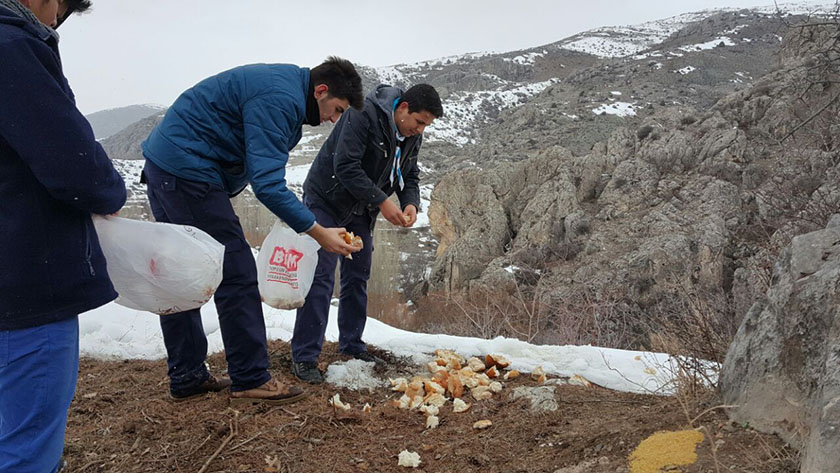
x: 353, y: 240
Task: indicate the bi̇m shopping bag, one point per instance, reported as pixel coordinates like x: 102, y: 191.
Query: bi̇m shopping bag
x: 286, y: 267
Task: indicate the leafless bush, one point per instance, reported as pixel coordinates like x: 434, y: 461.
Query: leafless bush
x: 533, y: 316
x: 694, y: 322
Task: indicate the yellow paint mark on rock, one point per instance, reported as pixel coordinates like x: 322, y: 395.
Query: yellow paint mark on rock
x: 663, y: 452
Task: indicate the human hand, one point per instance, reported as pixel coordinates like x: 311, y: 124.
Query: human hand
x: 409, y: 215
x: 391, y: 213
x: 332, y: 240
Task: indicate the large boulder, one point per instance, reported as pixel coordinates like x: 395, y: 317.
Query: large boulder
x: 475, y: 215
x: 471, y: 225
x: 783, y: 368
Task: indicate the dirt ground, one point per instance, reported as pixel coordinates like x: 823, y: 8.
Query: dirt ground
x: 123, y: 421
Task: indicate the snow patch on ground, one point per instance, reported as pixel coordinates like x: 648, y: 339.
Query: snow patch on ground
x: 798, y: 8
x: 717, y: 42
x: 295, y: 175
x: 116, y: 332
x: 130, y: 170
x: 305, y: 147
x: 353, y: 374
x: 463, y: 110
x: 627, y: 40
x: 400, y: 73
x: 425, y: 201
x: 686, y: 70
x: 391, y: 75
x: 621, y: 109
x: 526, y: 59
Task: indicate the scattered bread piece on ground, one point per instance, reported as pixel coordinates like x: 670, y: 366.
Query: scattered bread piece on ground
x: 409, y: 459
x: 460, y: 406
x: 482, y: 424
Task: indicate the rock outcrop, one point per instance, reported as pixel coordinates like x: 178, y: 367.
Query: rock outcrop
x: 783, y: 369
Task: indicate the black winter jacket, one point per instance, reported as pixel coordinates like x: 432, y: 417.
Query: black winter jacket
x: 350, y: 175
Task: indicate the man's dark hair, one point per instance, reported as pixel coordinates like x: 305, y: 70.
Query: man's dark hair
x: 342, y: 79
x: 73, y: 6
x: 423, y: 97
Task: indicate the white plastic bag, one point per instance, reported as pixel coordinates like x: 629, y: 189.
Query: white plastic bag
x: 286, y: 267
x: 160, y: 267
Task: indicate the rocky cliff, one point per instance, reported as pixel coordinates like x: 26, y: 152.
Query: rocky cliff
x: 681, y: 201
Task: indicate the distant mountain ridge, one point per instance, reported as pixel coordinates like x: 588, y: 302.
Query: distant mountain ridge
x: 574, y: 92
x: 107, y: 122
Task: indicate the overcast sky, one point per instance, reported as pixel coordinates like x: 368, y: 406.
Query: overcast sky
x: 130, y: 52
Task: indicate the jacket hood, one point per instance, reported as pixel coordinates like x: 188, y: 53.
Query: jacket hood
x: 383, y: 96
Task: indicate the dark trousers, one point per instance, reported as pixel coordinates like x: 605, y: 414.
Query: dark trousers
x: 207, y: 207
x: 311, y: 321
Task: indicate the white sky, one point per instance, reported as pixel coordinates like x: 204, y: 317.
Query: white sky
x: 127, y: 52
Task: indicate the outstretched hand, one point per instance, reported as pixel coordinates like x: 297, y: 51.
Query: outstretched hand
x: 332, y: 240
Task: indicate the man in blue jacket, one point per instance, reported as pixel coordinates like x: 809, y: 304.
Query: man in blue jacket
x: 53, y: 176
x: 369, y: 155
x: 228, y: 131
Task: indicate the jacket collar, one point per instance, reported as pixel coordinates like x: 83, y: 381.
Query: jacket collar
x: 14, y: 13
x: 313, y: 114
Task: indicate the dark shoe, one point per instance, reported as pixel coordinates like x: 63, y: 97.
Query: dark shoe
x: 211, y: 384
x: 307, y: 372
x: 369, y: 357
x: 273, y: 392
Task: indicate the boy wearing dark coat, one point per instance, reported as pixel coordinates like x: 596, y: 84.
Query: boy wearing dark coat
x: 370, y: 155
x: 53, y: 176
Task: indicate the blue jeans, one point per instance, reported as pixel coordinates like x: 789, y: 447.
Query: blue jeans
x: 38, y: 371
x: 208, y: 207
x: 311, y: 320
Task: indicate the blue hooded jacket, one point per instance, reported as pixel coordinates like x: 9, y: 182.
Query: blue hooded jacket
x: 53, y: 176
x: 235, y: 128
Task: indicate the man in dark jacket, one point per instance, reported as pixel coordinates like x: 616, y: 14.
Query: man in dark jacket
x: 230, y: 130
x: 368, y: 156
x: 53, y: 176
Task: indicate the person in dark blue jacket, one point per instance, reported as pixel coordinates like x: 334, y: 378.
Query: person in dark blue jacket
x: 369, y: 155
x: 230, y: 130
x: 53, y: 176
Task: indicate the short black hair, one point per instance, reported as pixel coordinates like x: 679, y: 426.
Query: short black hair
x: 342, y: 79
x: 423, y: 97
x: 73, y: 6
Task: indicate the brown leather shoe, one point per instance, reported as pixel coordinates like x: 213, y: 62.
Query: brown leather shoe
x: 211, y: 384
x: 272, y: 392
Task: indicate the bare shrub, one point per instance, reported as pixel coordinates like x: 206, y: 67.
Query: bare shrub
x: 693, y: 322
x: 533, y: 316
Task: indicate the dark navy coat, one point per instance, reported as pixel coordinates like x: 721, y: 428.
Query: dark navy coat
x: 351, y: 174
x: 53, y: 176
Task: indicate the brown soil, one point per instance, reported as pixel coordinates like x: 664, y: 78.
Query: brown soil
x: 123, y: 421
